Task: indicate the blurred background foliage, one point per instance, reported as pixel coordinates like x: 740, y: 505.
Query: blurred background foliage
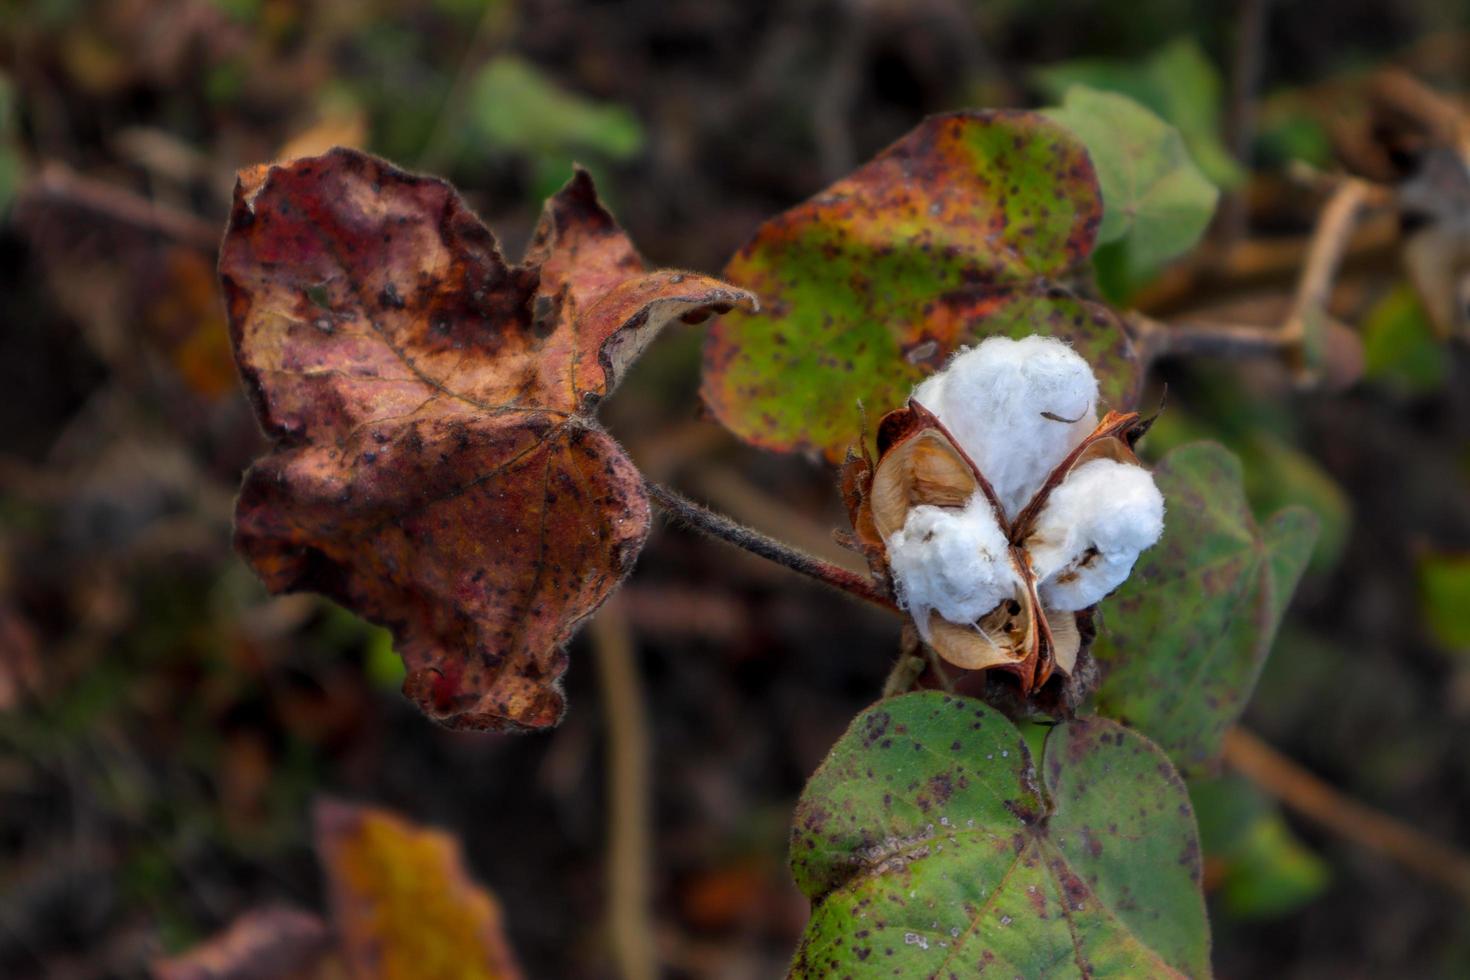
x: 164, y: 725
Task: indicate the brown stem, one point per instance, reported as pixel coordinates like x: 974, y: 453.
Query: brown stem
x: 832, y: 105
x: 1334, y: 228
x: 1310, y: 796
x: 727, y: 490
x: 1154, y: 339
x: 1438, y: 114
x: 629, y: 831
x: 913, y: 657
x: 1223, y: 270
x: 1250, y: 43
x: 707, y: 522
x: 60, y: 183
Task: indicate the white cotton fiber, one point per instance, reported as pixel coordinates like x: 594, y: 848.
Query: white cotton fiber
x: 1092, y: 530
x: 1002, y: 401
x: 956, y: 562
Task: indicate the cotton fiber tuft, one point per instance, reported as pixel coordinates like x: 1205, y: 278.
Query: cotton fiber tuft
x: 1016, y: 407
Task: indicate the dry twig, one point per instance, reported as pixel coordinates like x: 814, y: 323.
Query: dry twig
x: 1250, y: 44
x: 1440, y: 116
x: 57, y: 182
x: 1299, y: 339
x: 1308, y: 795
x: 629, y: 833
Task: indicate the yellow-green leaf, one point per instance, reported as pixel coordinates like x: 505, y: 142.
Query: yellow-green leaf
x: 965, y: 228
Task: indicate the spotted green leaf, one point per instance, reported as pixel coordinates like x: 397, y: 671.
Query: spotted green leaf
x: 1278, y: 472
x: 1182, y: 641
x: 1156, y: 202
x: 965, y: 228
x: 931, y: 846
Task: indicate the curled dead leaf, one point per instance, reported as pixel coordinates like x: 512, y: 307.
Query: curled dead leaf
x: 436, y: 464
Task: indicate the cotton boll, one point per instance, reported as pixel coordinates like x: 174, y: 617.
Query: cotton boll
x: 955, y: 562
x: 1104, y: 504
x: 1092, y: 530
x: 930, y: 391
x: 1002, y: 401
x: 1089, y: 586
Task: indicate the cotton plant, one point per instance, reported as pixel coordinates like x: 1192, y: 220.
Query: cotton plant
x: 1001, y: 510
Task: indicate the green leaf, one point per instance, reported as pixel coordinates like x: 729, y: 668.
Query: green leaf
x: 11, y: 167
x: 1277, y: 475
x: 960, y: 230
x: 516, y: 108
x: 1156, y: 202
x: 1400, y: 349
x: 1444, y: 590
x: 1178, y: 82
x: 929, y: 846
x: 1262, y: 869
x: 1182, y: 642
x: 1288, y: 130
x: 1266, y: 437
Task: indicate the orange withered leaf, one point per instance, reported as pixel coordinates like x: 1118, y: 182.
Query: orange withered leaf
x: 436, y: 464
x: 403, y: 906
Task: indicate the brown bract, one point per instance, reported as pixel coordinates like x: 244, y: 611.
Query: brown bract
x: 436, y: 466
x: 920, y: 463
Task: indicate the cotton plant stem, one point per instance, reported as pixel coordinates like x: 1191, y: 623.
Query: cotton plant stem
x: 630, y: 849
x: 714, y: 525
x: 1226, y: 269
x: 1250, y: 44
x: 1313, y: 798
x: 57, y: 182
x: 1442, y: 116
x: 736, y: 496
x: 832, y: 105
x: 1154, y: 339
x: 913, y: 657
x: 495, y: 27
x: 1329, y: 242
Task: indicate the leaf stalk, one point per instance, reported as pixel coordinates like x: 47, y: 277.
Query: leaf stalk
x: 718, y: 526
